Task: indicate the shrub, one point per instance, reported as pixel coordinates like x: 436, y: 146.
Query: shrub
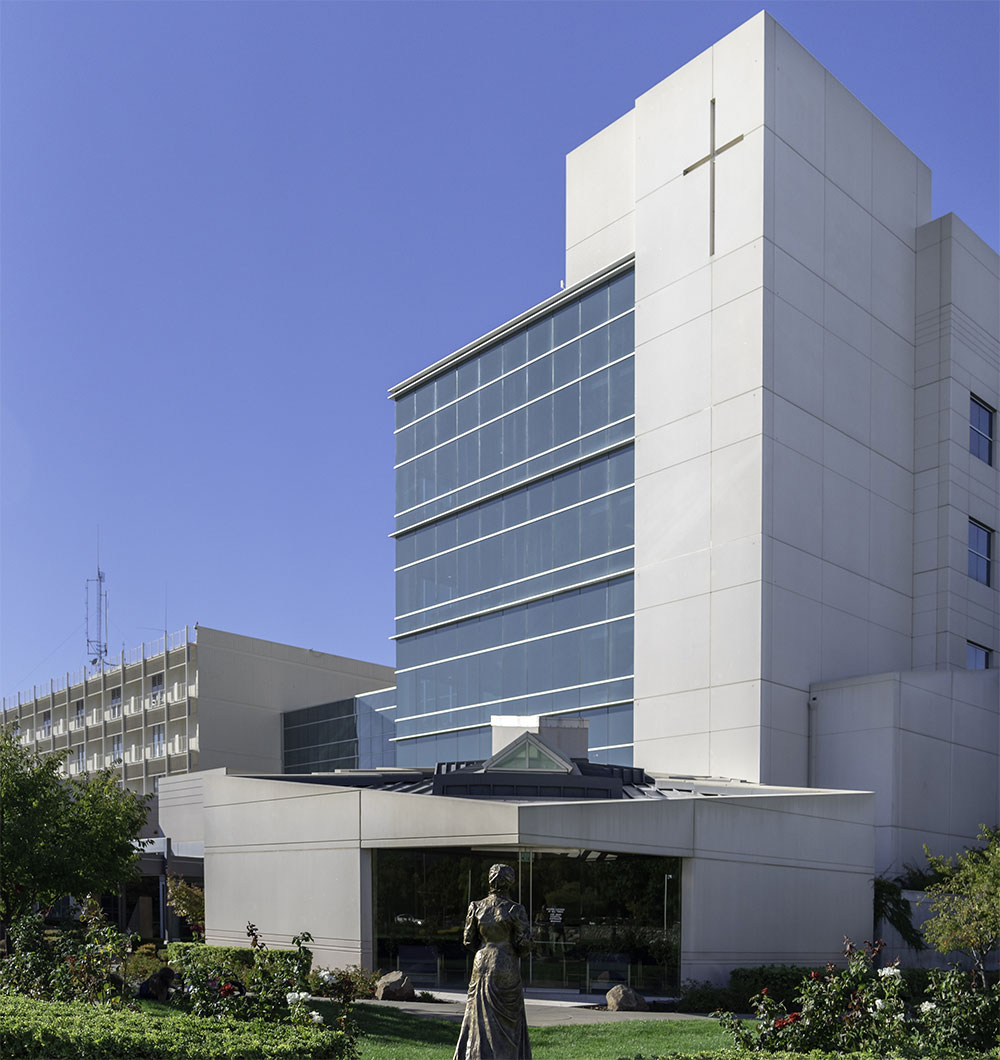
x: 85, y: 963
x: 38, y: 1029
x: 236, y: 959
x: 860, y: 1008
x: 221, y: 981
x: 957, y: 1013
x: 343, y: 985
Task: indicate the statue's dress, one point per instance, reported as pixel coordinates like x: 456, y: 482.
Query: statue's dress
x: 494, y: 1027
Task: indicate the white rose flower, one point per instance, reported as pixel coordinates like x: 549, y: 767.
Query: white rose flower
x: 315, y: 1017
x: 891, y: 972
x: 879, y: 1003
x: 927, y: 1006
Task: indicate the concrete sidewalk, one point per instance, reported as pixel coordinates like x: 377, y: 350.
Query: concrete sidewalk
x: 554, y: 1011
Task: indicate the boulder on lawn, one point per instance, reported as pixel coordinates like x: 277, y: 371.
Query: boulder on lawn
x: 394, y: 986
x: 625, y: 999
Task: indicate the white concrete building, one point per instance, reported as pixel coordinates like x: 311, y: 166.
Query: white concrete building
x: 731, y: 497
x: 809, y: 343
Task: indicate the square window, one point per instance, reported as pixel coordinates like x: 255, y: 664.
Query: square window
x: 980, y: 549
x: 981, y: 429
x: 976, y: 656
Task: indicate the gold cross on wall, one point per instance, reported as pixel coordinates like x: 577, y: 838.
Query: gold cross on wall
x: 710, y: 159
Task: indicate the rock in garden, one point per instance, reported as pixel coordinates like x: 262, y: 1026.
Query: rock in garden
x: 625, y: 999
x: 394, y: 986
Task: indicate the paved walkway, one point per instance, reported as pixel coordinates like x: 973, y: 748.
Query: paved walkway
x: 549, y: 1011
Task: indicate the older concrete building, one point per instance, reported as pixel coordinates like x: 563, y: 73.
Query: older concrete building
x: 196, y: 699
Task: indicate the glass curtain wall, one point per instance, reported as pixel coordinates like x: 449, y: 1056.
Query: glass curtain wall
x: 597, y: 919
x: 514, y: 535
x: 347, y: 734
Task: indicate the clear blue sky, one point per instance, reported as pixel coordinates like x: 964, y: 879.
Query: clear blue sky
x: 228, y: 228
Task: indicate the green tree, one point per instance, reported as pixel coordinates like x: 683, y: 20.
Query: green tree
x: 965, y: 902
x: 60, y: 836
x: 188, y: 902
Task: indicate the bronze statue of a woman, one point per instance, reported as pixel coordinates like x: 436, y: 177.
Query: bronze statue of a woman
x: 494, y: 1027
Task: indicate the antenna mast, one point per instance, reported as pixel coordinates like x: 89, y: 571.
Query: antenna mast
x: 97, y: 644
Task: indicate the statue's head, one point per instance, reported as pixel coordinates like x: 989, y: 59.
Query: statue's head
x: 501, y: 878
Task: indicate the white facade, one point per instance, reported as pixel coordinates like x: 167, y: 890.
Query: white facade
x: 196, y: 699
x: 290, y: 855
x: 807, y: 340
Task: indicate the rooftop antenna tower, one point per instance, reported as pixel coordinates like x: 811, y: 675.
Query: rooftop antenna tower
x: 97, y: 628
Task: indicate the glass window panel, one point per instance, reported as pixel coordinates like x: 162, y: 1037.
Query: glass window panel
x: 515, y: 666
x: 593, y: 653
x: 445, y: 388
x: 595, y: 527
x: 424, y: 434
x: 445, y: 424
x: 594, y: 308
x: 621, y: 469
x: 539, y: 665
x: 489, y: 364
x: 404, y: 409
x: 514, y: 389
x: 445, y: 534
x: 623, y: 389
x: 566, y: 363
x: 513, y: 555
x: 515, y: 508
x: 424, y: 399
x: 490, y: 402
x: 594, y: 478
x: 467, y: 450
x: 405, y: 445
x: 538, y: 618
x: 468, y: 413
x: 467, y: 525
x: 490, y: 448
x: 622, y: 293
x: 594, y: 402
x: 540, y: 338
x: 566, y: 535
x: 976, y: 657
x: 539, y: 377
x: 622, y: 336
x: 566, y: 414
x: 981, y: 429
x: 491, y: 517
x: 622, y: 659
x: 468, y: 376
x: 566, y: 488
x: 406, y: 479
x: 594, y: 350
x: 445, y: 468
x: 566, y: 610
x: 514, y: 624
x: 540, y: 498
x: 540, y: 425
x: 620, y: 597
x: 979, y: 552
x: 622, y: 520
x: 597, y: 726
x: 566, y: 323
x: 593, y: 605
x: 515, y: 351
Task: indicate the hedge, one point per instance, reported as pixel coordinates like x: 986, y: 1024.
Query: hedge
x: 52, y: 1029
x: 233, y: 957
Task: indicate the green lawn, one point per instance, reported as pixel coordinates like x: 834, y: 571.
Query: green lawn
x: 390, y: 1034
